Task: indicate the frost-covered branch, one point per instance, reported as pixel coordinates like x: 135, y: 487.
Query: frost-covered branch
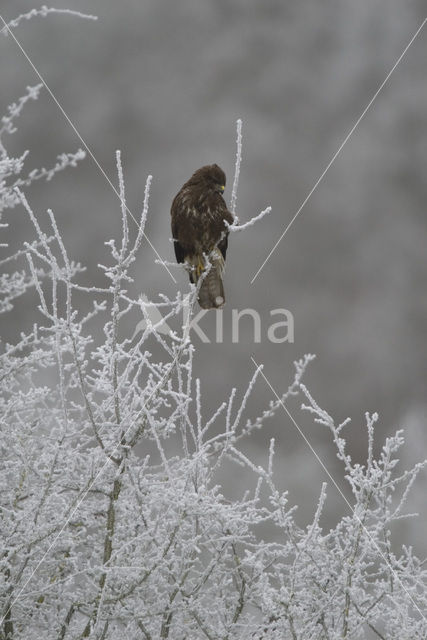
x: 233, y: 200
x: 252, y: 221
x: 14, y: 284
x: 235, y: 226
x: 15, y: 109
x: 42, y: 12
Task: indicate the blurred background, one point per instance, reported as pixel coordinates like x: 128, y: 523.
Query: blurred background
x: 165, y: 82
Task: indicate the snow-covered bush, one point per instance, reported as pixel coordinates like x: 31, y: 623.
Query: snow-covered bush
x: 113, y: 520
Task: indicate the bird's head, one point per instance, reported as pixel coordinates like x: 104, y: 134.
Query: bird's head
x: 211, y: 177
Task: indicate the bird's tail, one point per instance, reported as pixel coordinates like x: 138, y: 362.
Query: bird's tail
x: 211, y: 292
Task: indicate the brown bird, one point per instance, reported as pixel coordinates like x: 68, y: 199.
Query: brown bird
x: 198, y: 216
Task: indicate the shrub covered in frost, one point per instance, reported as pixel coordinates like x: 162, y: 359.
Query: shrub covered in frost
x: 113, y: 520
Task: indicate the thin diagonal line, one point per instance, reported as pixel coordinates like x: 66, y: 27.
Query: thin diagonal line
x: 372, y: 540
x: 342, y: 145
x: 302, y: 434
x: 86, y: 146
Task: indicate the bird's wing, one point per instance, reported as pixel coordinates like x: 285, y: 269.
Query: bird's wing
x: 226, y: 217
x: 175, y: 220
x: 179, y: 251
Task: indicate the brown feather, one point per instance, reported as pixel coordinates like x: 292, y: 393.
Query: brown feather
x: 198, y: 215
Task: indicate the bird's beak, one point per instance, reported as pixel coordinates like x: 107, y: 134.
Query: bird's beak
x: 222, y: 187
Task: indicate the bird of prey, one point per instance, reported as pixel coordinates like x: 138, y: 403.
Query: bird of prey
x: 199, y: 214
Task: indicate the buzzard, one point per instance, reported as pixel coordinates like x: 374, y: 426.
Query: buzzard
x: 198, y: 216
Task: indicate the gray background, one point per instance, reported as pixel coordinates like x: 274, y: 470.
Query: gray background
x: 165, y: 81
